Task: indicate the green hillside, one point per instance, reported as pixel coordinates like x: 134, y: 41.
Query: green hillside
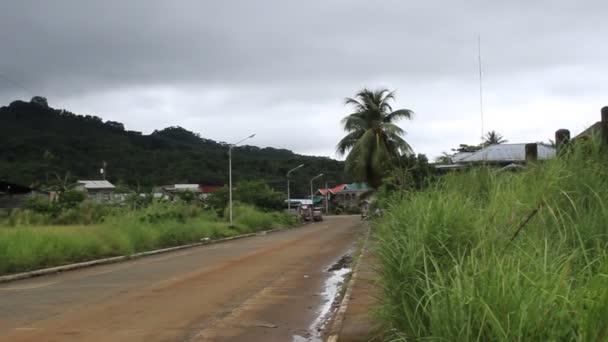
x: 37, y: 141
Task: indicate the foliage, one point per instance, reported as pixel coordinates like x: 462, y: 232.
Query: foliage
x: 79, y: 144
x: 71, y: 198
x: 374, y: 142
x: 467, y: 148
x: 33, y: 245
x: 259, y: 194
x: 444, y: 158
x: 218, y: 200
x: 248, y: 217
x: 419, y: 168
x: 254, y: 193
x: 486, y: 256
x: 41, y: 211
x: 494, y: 138
x: 138, y: 201
x: 187, y: 196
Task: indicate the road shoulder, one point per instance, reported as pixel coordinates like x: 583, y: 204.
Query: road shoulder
x: 353, y: 321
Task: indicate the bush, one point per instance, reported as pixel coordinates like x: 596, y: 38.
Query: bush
x: 258, y: 194
x: 71, y: 198
x: 248, y: 219
x: 40, y: 205
x: 118, y: 231
x: 500, y: 257
x: 253, y: 193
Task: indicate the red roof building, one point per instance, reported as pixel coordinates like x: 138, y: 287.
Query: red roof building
x: 207, y: 189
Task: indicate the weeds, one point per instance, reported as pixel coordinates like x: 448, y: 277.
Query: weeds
x: 483, y: 256
x: 30, y: 243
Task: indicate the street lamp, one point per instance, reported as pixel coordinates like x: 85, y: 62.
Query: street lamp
x: 312, y: 198
x: 230, y: 172
x: 288, y: 193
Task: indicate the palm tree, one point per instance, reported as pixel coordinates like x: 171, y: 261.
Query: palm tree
x: 444, y: 158
x: 374, y: 142
x: 494, y: 138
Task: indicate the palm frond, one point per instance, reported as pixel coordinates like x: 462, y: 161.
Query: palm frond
x: 399, y: 114
x: 348, y: 142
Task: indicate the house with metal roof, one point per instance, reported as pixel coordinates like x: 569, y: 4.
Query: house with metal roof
x: 343, y: 195
x: 97, y: 190
x: 498, y: 155
x: 507, y: 154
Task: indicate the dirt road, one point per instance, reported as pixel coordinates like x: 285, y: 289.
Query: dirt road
x: 263, y: 288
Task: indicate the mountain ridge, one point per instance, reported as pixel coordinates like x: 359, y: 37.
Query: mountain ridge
x: 38, y: 143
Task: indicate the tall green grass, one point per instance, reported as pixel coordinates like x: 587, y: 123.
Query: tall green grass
x: 31, y: 246
x: 486, y: 256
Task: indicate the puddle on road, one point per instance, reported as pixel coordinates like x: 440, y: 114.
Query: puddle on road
x: 331, y: 288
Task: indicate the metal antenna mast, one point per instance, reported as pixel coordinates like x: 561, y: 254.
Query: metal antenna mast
x: 480, y: 85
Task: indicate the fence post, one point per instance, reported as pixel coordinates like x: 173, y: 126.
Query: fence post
x: 605, y: 125
x: 531, y: 152
x: 562, y: 139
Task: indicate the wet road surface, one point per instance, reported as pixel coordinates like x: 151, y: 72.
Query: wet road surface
x: 263, y: 288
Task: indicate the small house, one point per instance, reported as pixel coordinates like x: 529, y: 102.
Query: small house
x: 97, y: 190
x: 343, y: 195
x: 500, y: 155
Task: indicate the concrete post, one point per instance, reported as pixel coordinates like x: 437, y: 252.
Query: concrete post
x: 562, y: 139
x: 531, y: 152
x: 562, y: 136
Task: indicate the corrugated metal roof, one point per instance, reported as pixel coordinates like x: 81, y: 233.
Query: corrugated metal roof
x: 96, y: 184
x: 507, y: 153
x: 192, y: 187
x: 460, y: 156
x: 357, y: 187
x: 300, y: 201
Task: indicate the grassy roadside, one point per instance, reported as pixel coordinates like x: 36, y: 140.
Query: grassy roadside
x: 487, y: 256
x: 26, y: 247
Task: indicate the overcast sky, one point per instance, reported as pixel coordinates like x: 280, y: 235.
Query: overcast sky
x: 282, y: 68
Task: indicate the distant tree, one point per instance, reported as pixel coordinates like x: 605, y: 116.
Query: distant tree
x: 259, y: 194
x: 444, y: 158
x: 374, y: 142
x: 467, y: 148
x: 494, y: 138
x: 115, y: 125
x: 418, y: 168
x: 41, y: 101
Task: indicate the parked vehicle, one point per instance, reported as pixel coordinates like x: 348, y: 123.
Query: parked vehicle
x: 317, y: 214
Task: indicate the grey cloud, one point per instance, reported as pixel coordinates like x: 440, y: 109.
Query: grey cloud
x: 289, y: 64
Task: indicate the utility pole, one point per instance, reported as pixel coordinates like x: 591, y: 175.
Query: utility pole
x: 230, y: 172
x: 312, y: 195
x: 103, y: 170
x: 326, y: 199
x: 480, y: 85
x: 288, y: 190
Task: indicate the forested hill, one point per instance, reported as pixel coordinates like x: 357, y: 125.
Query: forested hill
x: 37, y: 141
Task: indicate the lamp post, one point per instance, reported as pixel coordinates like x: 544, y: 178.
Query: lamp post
x: 288, y: 192
x: 312, y: 198
x: 326, y: 198
x: 230, y: 172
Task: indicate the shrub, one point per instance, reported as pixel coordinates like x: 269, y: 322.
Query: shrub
x: 258, y: 194
x: 31, y: 243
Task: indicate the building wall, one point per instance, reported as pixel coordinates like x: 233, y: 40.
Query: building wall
x: 347, y: 199
x: 100, y: 195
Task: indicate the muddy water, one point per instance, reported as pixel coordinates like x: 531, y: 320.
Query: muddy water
x: 338, y: 272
